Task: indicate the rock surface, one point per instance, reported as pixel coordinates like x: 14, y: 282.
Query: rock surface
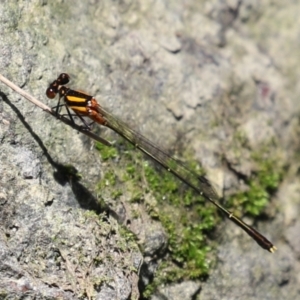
x: 204, y: 71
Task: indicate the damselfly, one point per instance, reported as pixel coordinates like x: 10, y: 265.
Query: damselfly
x: 86, y: 105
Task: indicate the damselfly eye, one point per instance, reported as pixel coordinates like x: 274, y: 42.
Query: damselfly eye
x: 50, y: 93
x: 63, y: 78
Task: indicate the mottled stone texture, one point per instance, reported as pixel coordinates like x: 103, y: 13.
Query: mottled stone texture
x: 185, y: 73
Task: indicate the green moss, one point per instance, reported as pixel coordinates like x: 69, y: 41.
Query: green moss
x: 109, y: 179
x: 163, y: 184
x: 262, y: 184
x: 185, y: 216
x: 127, y: 234
x: 106, y: 152
x: 136, y: 198
x: 188, y: 249
x: 186, y: 219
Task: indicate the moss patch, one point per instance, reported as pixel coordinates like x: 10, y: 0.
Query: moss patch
x: 262, y: 183
x: 185, y: 215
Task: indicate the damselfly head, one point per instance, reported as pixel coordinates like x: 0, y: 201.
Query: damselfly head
x: 54, y: 87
